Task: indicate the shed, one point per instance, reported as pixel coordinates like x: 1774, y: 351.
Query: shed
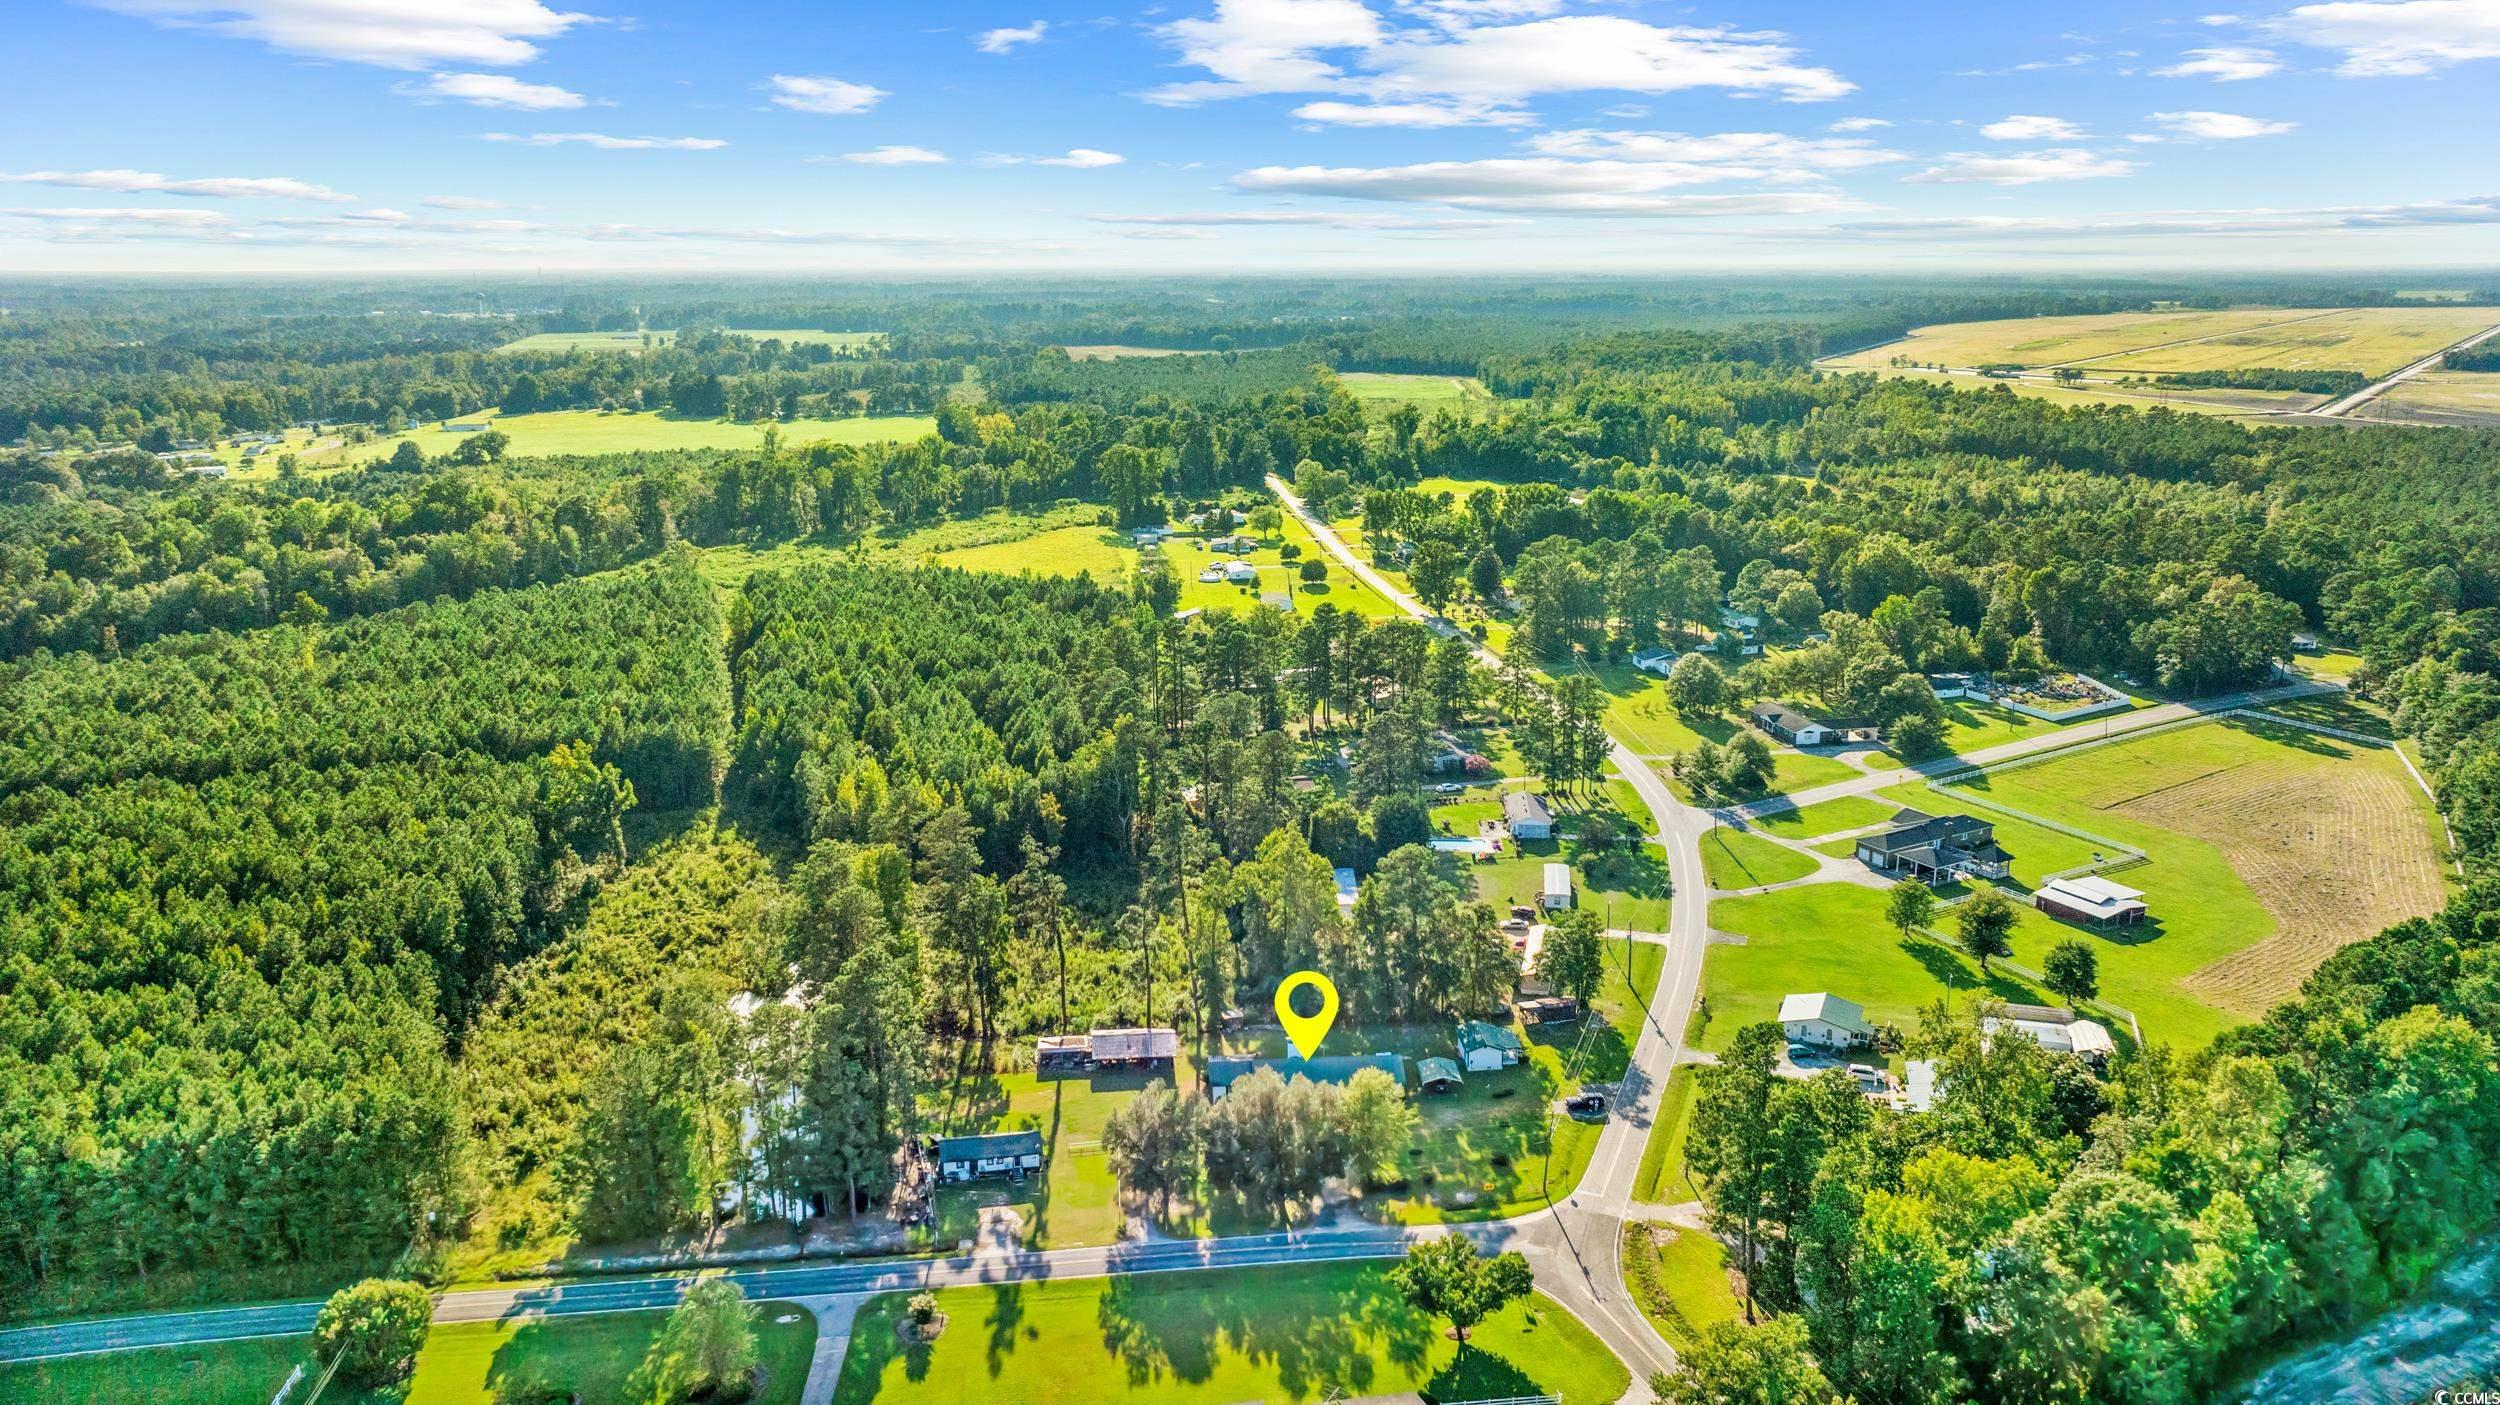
x: 1527, y: 814
x: 1826, y: 1021
x: 1013, y: 1155
x: 1552, y: 1009
x: 1240, y: 573
x: 1557, y: 894
x: 1437, y: 1075
x: 2056, y: 1029
x: 1060, y: 1053
x: 1347, y: 887
x: 1658, y: 661
x: 2090, y: 898
x: 1483, y: 1047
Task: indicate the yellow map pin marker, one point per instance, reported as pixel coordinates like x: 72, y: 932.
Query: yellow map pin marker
x: 1306, y: 1030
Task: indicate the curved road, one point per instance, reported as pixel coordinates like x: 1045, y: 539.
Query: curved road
x: 1575, y: 1245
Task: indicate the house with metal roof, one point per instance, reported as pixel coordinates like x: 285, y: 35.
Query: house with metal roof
x: 1557, y: 887
x: 1222, y: 1073
x: 1484, y: 1047
x: 2055, y: 1028
x: 1936, y: 848
x: 1014, y: 1155
x: 1527, y: 815
x: 1825, y: 1020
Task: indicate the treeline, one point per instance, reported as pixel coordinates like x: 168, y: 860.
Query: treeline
x: 249, y: 888
x: 2485, y: 357
x: 2046, y: 1234
x: 625, y: 664
x: 2307, y: 382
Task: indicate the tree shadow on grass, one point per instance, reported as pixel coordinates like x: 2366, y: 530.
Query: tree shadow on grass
x: 1005, y: 1317
x: 1317, y: 1330
x: 1958, y: 973
x: 1476, y: 1374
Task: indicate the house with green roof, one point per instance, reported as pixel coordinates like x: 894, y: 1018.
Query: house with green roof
x: 1484, y: 1047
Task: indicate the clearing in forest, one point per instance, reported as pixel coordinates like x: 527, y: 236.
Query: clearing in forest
x: 2269, y: 847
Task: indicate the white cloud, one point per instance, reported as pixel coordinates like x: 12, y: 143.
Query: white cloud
x: 1745, y: 155
x: 2228, y: 64
x: 462, y: 202
x: 2021, y: 167
x: 1005, y: 40
x: 896, y: 156
x: 1466, y: 12
x: 187, y: 219
x: 2020, y: 128
x: 1410, y: 114
x: 1083, y: 158
x: 1320, y: 219
x: 2479, y: 210
x: 1860, y: 124
x: 2217, y: 20
x: 386, y: 33
x: 1458, y: 63
x: 496, y: 90
x: 830, y: 96
x: 2221, y: 126
x: 2396, y: 38
x: 1625, y: 111
x: 211, y: 187
x: 1541, y: 185
x: 605, y: 142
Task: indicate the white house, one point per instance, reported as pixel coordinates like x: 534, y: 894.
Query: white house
x: 1240, y: 573
x: 1660, y: 661
x: 1792, y: 724
x: 1826, y: 1021
x: 1484, y: 1047
x: 1557, y: 895
x: 1527, y: 815
x: 2056, y: 1029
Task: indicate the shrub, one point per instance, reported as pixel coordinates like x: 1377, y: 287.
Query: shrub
x: 374, y: 1330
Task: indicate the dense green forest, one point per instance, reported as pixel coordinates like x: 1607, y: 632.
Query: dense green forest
x: 391, y: 856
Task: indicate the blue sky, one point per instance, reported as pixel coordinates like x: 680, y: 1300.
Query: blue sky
x: 1247, y: 135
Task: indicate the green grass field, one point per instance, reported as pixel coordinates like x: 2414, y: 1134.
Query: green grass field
x: 1076, y: 1202
x: 2374, y: 341
x: 1733, y: 859
x: 1424, y: 392
x: 1459, y: 489
x: 586, y: 1357
x: 592, y: 432
x: 1972, y: 726
x: 2050, y: 341
x: 1061, y: 540
x: 1627, y: 884
x: 1277, y: 1335
x: 1637, y: 711
x: 2268, y: 848
x: 1661, y: 1180
x: 225, y: 1373
x: 2461, y: 396
x: 1829, y: 817
x: 1186, y: 556
x: 1832, y: 937
x: 1679, y: 1278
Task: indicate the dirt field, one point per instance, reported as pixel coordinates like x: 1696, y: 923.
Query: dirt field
x: 1118, y: 353
x: 2333, y: 853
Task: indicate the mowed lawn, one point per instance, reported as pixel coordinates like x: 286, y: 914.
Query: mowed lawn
x: 1661, y: 1180
x: 1186, y: 556
x: 1832, y: 937
x: 1272, y: 1334
x: 1064, y: 539
x: 589, y: 1357
x: 1637, y: 713
x: 593, y: 432
x: 1076, y: 1201
x: 1101, y: 552
x: 2269, y: 847
x: 1974, y: 726
x: 1733, y: 858
x: 1679, y: 1277
x: 584, y: 1357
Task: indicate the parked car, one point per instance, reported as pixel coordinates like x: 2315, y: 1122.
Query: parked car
x: 1590, y: 1103
x: 1448, y: 788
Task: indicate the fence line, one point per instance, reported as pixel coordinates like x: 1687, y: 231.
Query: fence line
x: 1955, y: 946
